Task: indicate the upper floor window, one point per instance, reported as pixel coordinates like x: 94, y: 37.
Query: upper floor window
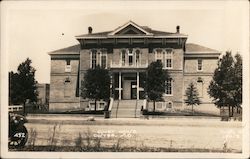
x: 68, y: 62
x: 169, y: 59
x: 98, y: 57
x: 103, y: 59
x: 199, y: 64
x: 123, y: 57
x: 93, y: 58
x: 68, y: 66
x: 137, y: 58
x: 130, y: 57
x: 158, y: 55
x: 169, y: 86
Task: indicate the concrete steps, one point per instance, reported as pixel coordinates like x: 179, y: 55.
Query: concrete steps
x: 126, y: 108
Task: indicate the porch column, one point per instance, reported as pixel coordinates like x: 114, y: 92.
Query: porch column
x: 138, y: 85
x: 120, y: 86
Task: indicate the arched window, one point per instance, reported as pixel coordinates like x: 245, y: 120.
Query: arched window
x: 93, y: 58
x: 137, y: 57
x: 123, y: 57
x: 158, y: 55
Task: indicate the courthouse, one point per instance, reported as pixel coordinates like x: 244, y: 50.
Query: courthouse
x: 126, y: 52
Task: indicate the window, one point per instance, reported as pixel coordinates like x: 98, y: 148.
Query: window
x: 67, y: 62
x: 130, y: 60
x: 169, y: 59
x: 158, y: 55
x: 137, y: 54
x: 123, y: 57
x: 169, y: 87
x: 130, y: 57
x: 169, y: 105
x: 93, y: 59
x: 199, y: 64
x: 103, y: 60
x: 68, y: 66
x: 101, y: 105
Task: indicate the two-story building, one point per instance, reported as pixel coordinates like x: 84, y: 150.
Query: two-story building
x: 126, y: 52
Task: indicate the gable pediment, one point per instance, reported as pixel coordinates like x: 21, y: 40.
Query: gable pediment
x: 130, y: 28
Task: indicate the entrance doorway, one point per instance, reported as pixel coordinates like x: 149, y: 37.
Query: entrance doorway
x: 133, y: 90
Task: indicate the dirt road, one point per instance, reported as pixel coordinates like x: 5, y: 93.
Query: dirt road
x: 167, y: 133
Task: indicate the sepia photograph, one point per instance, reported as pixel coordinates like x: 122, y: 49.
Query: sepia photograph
x: 125, y: 79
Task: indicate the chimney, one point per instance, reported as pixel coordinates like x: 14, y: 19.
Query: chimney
x: 177, y: 29
x: 90, y: 29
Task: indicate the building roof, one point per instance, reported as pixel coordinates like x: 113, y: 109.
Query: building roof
x: 71, y: 50
x: 191, y: 48
x: 195, y: 48
x: 142, y: 31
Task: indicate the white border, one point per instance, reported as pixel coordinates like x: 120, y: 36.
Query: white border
x: 7, y: 5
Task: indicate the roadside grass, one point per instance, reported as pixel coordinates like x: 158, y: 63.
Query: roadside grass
x: 88, y: 142
x: 123, y: 149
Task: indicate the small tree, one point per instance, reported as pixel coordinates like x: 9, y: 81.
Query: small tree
x: 192, y: 96
x: 96, y: 84
x: 155, y: 81
x: 22, y: 84
x: 226, y: 85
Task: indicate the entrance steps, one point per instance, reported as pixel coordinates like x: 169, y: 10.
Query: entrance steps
x: 126, y: 108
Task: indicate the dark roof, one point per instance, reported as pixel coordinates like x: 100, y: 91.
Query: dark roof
x: 190, y: 49
x: 146, y: 28
x: 195, y: 48
x: 154, y: 32
x: 71, y: 50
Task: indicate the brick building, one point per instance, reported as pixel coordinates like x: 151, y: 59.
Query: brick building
x: 126, y: 52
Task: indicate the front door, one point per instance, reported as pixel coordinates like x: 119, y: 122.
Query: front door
x: 133, y: 90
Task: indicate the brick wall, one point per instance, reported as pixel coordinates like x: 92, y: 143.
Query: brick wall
x: 62, y: 93
x: 208, y: 65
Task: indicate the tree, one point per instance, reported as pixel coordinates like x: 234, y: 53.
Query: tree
x: 96, y: 84
x: 237, y: 81
x: 155, y: 81
x: 226, y: 85
x: 23, y: 84
x: 192, y: 96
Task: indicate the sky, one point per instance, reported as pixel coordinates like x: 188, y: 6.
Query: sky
x: 33, y: 29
